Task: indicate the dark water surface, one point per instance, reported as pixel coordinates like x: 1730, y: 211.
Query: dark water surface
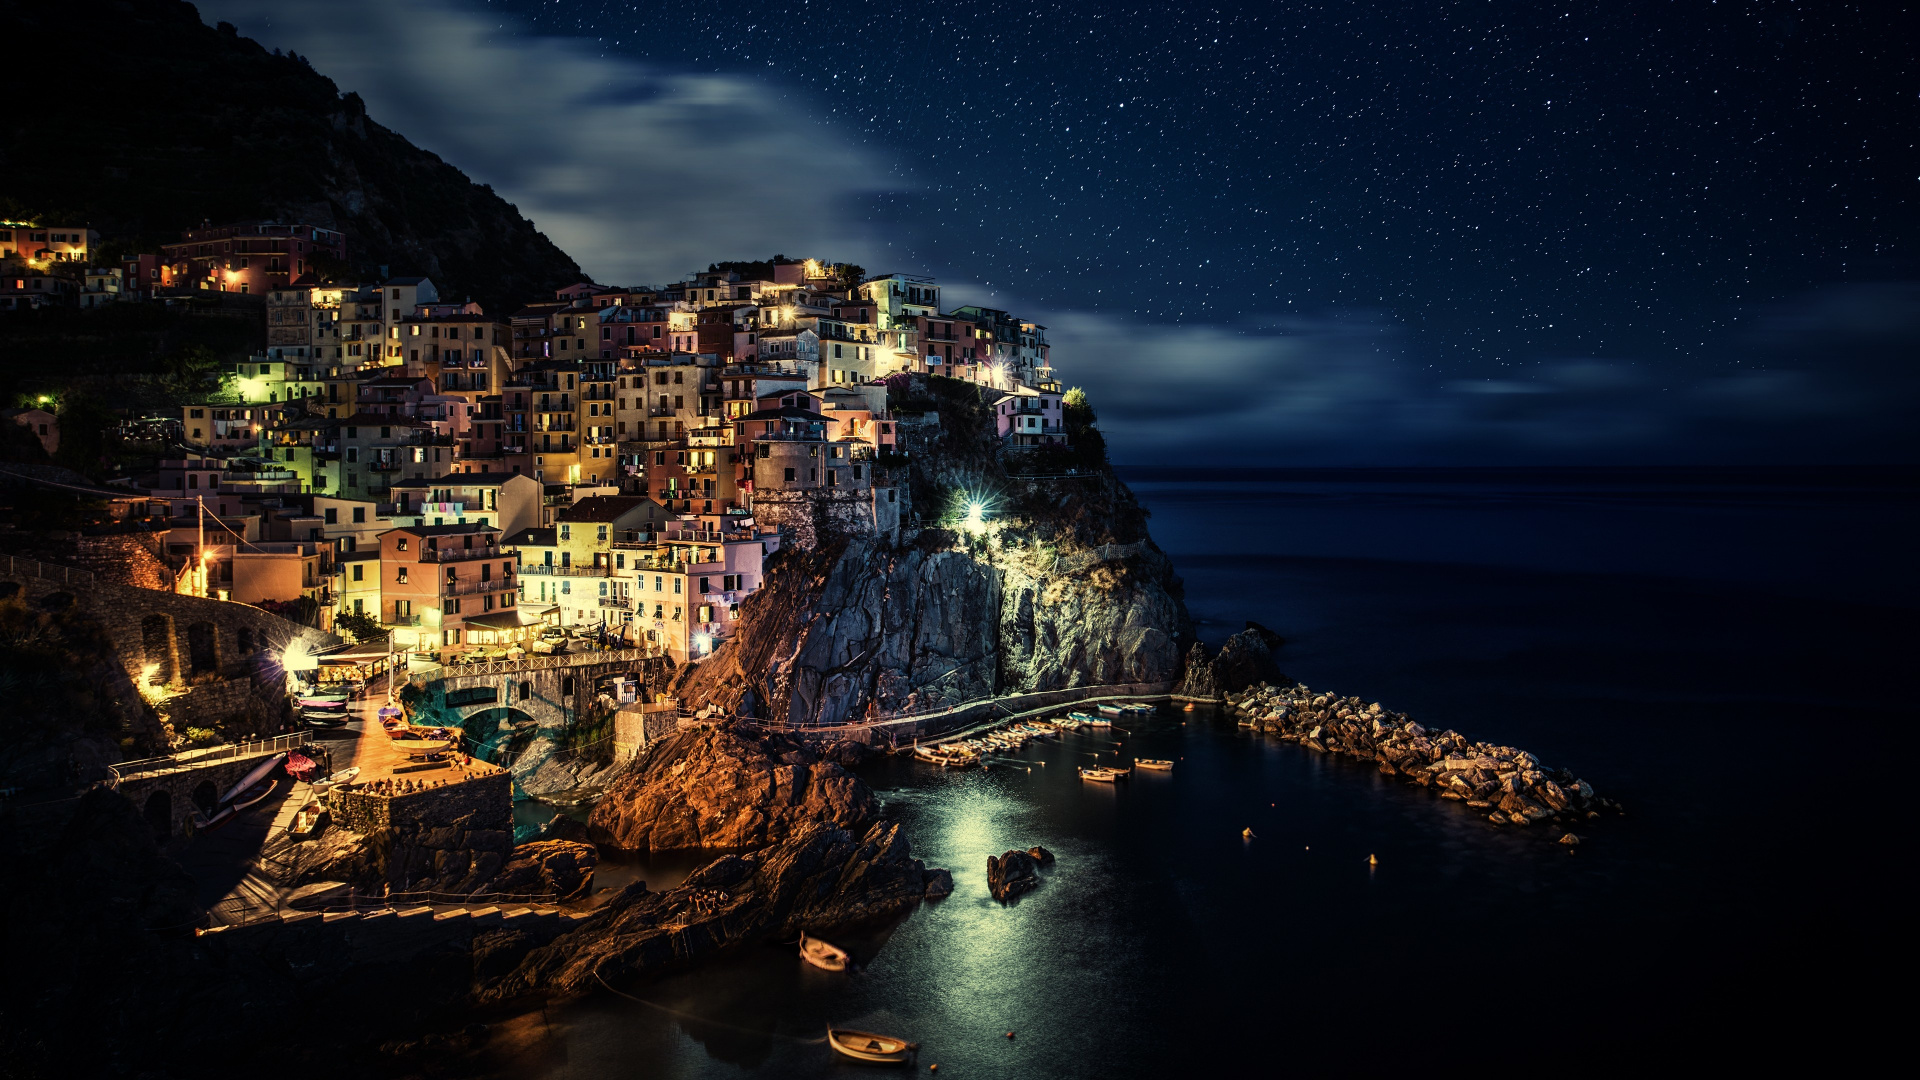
x: 1727, y: 654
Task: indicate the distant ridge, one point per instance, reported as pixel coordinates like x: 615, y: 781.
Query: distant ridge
x: 162, y: 121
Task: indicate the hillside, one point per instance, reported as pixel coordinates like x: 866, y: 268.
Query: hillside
x: 163, y: 121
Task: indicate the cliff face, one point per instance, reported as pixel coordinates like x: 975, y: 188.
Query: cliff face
x: 197, y: 122
x: 1061, y: 587
x: 718, y: 791
x: 858, y: 625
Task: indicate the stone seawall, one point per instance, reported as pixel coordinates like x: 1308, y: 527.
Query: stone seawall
x: 452, y: 839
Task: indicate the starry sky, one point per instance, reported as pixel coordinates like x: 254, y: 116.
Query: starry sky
x: 1356, y: 232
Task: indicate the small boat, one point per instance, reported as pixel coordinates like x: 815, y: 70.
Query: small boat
x: 1111, y: 712
x: 336, y: 781
x: 254, y: 794
x: 867, y: 1046
x: 301, y: 767
x: 1247, y: 834
x: 950, y: 756
x: 1101, y: 773
x: 1136, y: 708
x: 420, y: 749
x: 822, y: 955
x: 322, y: 701
x: 1157, y: 764
x: 324, y: 720
x: 306, y: 821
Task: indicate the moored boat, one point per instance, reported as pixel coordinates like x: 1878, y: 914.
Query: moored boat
x: 1111, y: 712
x: 421, y: 748
x: 1157, y: 764
x: 953, y: 756
x: 868, y: 1046
x: 821, y: 954
x: 1101, y: 773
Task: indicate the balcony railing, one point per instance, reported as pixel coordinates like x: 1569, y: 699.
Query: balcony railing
x: 463, y: 588
x: 460, y: 554
x: 620, y: 602
x: 545, y: 570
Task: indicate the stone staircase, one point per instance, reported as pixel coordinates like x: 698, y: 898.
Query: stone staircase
x: 393, y: 934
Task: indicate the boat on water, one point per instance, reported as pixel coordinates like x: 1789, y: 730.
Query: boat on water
x: 1157, y: 764
x: 1136, y: 708
x: 1103, y: 773
x: 949, y: 756
x: 1089, y: 719
x: 868, y: 1046
x: 1113, y: 712
x: 821, y: 954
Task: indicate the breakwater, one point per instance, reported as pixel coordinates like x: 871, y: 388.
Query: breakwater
x: 1511, y: 785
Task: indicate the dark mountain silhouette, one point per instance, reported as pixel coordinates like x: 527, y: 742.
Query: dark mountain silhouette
x: 161, y: 122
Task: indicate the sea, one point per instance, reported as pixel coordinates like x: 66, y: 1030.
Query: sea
x: 1727, y: 652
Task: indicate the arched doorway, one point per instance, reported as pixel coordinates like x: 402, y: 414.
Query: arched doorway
x: 498, y: 734
x: 156, y: 637
x: 206, y: 797
x: 203, y: 648
x: 159, y: 814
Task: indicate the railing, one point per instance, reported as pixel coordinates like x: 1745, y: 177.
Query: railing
x: 546, y: 570
x: 49, y: 571
x: 463, y: 588
x: 561, y: 660
x: 620, y: 602
x: 188, y: 759
x: 459, y: 554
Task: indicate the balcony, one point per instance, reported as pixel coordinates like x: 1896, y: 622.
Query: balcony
x: 383, y: 466
x: 464, y: 588
x: 544, y: 570
x: 620, y: 602
x: 460, y: 554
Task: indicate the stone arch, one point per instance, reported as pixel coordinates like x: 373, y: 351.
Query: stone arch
x: 158, y: 813
x: 203, y: 647
x: 502, y: 728
x: 206, y: 797
x: 57, y: 601
x: 156, y: 637
x: 9, y: 590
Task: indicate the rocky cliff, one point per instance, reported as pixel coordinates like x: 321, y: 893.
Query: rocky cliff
x: 1059, y: 586
x: 720, y: 791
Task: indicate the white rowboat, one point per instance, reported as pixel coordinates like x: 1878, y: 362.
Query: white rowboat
x: 822, y: 955
x: 867, y: 1046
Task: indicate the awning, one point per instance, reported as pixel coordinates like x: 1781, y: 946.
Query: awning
x: 510, y: 619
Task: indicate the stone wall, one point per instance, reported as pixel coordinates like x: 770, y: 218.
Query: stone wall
x: 447, y: 839
x: 127, y: 559
x: 168, y: 797
x: 193, y: 647
x: 808, y: 519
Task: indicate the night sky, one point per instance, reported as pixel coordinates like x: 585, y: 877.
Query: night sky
x: 1498, y: 232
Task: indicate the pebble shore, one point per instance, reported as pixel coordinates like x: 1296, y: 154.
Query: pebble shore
x: 1510, y: 785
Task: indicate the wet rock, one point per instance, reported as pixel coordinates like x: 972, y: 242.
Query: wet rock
x: 1041, y: 855
x: 1011, y: 874
x: 1570, y: 840
x: 939, y: 883
x: 817, y: 878
x: 560, y: 868
x: 562, y: 827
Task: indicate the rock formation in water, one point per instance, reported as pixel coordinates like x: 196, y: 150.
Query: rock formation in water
x: 718, y: 790
x: 815, y: 878
x: 1245, y: 659
x: 1011, y: 874
x: 1511, y: 785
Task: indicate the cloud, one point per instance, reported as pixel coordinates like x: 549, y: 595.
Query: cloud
x: 1830, y: 376
x: 642, y: 174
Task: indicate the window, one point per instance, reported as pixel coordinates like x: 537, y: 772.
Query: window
x: 566, y: 532
x: 401, y: 544
x: 400, y: 575
x: 357, y: 569
x: 602, y: 534
x: 360, y: 516
x: 789, y: 475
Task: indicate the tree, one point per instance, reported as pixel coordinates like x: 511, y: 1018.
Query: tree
x: 361, y: 626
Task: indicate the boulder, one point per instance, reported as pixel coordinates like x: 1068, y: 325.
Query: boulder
x: 939, y: 883
x: 561, y: 868
x: 1012, y: 874
x: 1041, y: 855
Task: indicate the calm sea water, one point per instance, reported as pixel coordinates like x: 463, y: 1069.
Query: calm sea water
x: 1727, y: 653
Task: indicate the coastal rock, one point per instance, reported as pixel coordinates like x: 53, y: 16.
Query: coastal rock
x: 1245, y: 660
x: 1041, y: 855
x: 818, y: 877
x: 719, y: 790
x: 1511, y: 783
x: 561, y: 868
x: 1011, y: 874
x: 562, y: 827
x: 939, y: 883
